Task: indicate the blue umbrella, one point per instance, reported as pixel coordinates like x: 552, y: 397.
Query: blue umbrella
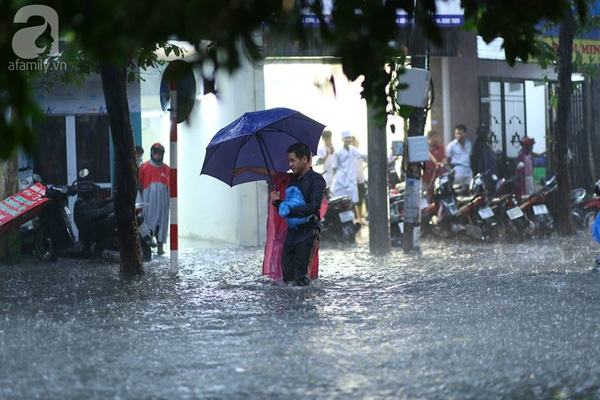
x: 259, y: 139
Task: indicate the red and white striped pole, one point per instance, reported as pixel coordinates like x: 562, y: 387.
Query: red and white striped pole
x: 173, y: 182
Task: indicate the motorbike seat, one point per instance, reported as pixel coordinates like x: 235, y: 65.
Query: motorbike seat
x: 499, y: 200
x: 338, y: 199
x: 578, y: 195
x: 396, y: 197
x: 462, y: 200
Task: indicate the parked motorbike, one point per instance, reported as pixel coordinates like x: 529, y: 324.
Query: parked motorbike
x: 440, y: 217
x: 54, y: 235
x: 534, y: 207
x: 337, y: 225
x: 591, y: 207
x: 93, y: 217
x: 27, y: 230
x: 397, y: 200
x: 396, y: 218
x: 579, y: 198
x: 474, y: 212
x: 515, y: 225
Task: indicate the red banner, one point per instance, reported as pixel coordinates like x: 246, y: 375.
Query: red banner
x: 21, y: 207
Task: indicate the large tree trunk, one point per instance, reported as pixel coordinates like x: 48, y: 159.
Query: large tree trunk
x: 564, y: 221
x: 114, y: 84
x: 10, y: 243
x: 379, y: 223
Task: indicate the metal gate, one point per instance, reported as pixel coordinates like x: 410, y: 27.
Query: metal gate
x: 577, y: 136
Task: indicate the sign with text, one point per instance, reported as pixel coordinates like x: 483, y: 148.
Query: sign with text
x: 21, y: 207
x: 448, y: 13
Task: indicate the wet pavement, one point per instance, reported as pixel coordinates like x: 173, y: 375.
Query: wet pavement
x: 460, y: 321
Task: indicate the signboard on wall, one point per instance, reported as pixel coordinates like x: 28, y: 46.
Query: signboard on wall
x: 89, y: 99
x: 586, y: 44
x: 449, y: 13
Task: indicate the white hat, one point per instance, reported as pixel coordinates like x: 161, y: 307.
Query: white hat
x: 346, y: 134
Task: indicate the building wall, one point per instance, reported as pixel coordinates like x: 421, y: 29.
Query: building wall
x: 465, y: 70
x: 208, y: 209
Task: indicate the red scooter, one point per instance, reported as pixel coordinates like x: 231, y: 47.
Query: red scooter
x: 591, y: 207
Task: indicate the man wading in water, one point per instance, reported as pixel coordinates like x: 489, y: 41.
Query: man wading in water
x: 300, y: 244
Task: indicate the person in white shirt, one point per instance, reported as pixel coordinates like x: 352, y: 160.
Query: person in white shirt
x: 344, y: 181
x: 360, y: 184
x: 325, y: 154
x: 458, y: 153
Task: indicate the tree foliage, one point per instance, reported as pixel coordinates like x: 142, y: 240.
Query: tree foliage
x: 363, y: 34
x: 111, y: 36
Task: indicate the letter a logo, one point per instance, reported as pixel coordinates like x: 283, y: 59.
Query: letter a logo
x: 23, y: 42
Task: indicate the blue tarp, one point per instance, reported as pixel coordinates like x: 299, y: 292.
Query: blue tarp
x: 596, y: 228
x: 293, y: 198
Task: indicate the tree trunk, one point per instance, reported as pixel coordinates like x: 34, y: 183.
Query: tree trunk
x: 379, y: 224
x: 564, y: 222
x: 114, y: 84
x: 10, y: 243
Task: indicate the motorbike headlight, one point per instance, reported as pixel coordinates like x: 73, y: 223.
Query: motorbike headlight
x: 476, y: 183
x: 441, y: 181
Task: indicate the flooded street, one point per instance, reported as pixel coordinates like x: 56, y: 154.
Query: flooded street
x: 463, y: 321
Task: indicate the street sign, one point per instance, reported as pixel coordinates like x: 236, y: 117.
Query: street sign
x: 180, y: 73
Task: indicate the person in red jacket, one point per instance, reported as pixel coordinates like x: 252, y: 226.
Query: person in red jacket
x: 154, y: 180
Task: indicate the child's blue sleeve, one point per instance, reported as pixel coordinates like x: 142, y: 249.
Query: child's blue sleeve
x: 596, y: 228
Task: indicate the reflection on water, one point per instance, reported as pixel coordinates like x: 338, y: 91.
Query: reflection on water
x: 459, y: 321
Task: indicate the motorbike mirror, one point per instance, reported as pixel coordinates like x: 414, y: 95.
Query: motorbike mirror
x: 494, y: 177
x: 520, y: 165
x: 84, y: 172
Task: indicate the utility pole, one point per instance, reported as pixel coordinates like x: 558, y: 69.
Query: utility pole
x: 416, y: 126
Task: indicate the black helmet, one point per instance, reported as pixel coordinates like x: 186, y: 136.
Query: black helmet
x: 157, y: 147
x: 597, y: 188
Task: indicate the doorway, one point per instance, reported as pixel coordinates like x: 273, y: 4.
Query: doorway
x: 513, y: 109
x: 67, y: 144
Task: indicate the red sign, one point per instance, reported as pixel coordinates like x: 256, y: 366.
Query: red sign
x: 21, y: 207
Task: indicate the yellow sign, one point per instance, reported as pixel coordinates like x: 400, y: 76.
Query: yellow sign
x: 587, y: 49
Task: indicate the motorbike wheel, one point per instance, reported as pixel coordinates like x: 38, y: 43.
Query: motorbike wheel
x: 395, y: 235
x: 146, y: 252
x: 348, y: 233
x: 42, y: 245
x: 588, y: 219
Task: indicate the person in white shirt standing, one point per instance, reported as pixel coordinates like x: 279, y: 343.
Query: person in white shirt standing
x: 360, y: 184
x: 325, y: 154
x: 458, y: 153
x: 344, y: 181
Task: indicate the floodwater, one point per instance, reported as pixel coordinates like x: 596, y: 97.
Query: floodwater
x: 459, y: 321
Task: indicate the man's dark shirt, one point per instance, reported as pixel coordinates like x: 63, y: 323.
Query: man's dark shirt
x: 312, y: 185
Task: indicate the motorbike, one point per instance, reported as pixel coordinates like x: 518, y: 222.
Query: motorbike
x: 93, y: 217
x: 54, y: 234
x: 396, y: 218
x: 337, y: 225
x: 27, y: 230
x: 474, y: 211
x: 579, y: 200
x: 440, y: 218
x: 515, y: 225
x: 396, y: 198
x: 534, y: 207
x: 591, y: 207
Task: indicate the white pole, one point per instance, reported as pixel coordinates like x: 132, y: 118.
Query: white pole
x: 173, y: 182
